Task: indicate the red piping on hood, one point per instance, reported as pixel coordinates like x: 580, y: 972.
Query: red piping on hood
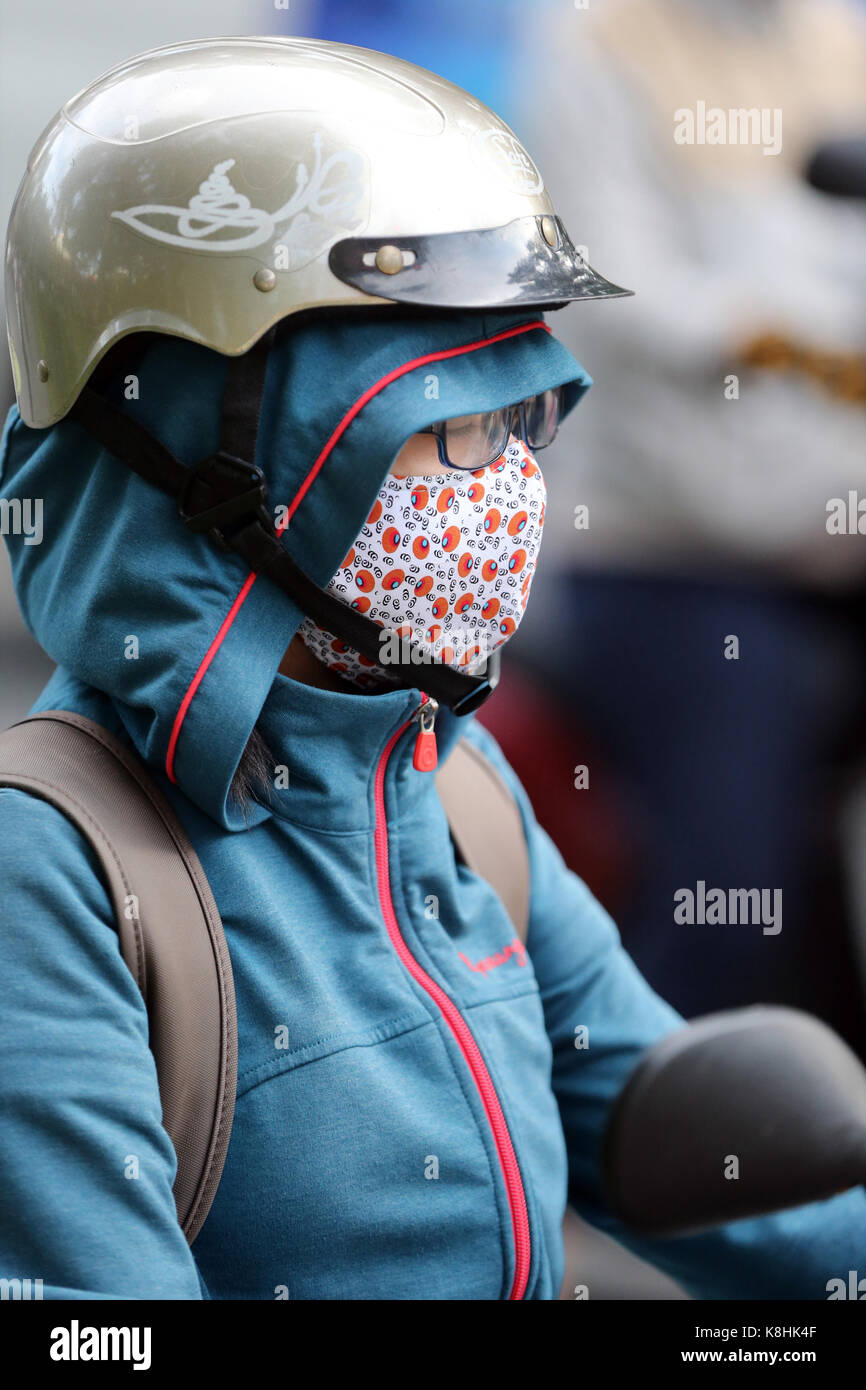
x: 347, y: 419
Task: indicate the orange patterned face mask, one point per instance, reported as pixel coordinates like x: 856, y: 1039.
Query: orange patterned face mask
x: 444, y: 562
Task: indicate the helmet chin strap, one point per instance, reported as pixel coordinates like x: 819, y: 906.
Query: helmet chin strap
x: 225, y: 497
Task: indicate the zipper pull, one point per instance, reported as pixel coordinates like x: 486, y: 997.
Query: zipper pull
x: 426, y: 755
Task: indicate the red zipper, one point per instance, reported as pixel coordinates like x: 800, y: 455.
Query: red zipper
x: 462, y: 1035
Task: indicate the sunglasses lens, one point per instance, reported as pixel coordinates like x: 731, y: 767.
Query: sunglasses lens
x: 543, y: 414
x: 474, y: 441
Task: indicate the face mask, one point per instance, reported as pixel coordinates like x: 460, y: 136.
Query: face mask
x: 443, y: 561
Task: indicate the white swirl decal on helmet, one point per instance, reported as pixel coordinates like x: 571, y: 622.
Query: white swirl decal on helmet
x: 315, y: 207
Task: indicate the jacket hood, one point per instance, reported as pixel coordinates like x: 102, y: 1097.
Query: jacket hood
x: 182, y: 638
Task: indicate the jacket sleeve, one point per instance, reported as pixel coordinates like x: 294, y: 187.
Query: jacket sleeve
x: 86, y: 1168
x: 587, y: 980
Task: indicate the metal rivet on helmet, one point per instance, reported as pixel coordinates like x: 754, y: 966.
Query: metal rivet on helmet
x: 549, y: 232
x: 264, y: 279
x: 389, y: 259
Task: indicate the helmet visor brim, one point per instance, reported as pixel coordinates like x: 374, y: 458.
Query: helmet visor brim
x: 492, y: 268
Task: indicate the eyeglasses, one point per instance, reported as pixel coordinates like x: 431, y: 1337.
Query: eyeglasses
x: 468, y: 442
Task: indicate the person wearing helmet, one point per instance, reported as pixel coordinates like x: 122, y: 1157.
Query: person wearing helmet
x: 276, y: 316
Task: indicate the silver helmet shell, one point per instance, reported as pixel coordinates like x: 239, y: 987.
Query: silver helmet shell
x: 209, y: 190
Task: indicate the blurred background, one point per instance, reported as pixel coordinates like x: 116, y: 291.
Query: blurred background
x: 689, y: 492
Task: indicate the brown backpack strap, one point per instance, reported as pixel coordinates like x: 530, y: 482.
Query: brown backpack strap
x: 171, y: 935
x: 487, y: 827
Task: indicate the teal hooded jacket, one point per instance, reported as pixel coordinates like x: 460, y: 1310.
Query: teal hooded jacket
x: 411, y: 1117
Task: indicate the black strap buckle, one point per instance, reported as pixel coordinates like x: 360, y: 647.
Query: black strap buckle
x: 475, y: 698
x: 221, y: 490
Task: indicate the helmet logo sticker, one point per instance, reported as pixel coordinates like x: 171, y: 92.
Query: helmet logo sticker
x: 220, y: 219
x: 501, y: 149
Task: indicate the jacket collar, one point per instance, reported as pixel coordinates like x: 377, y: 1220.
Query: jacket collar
x: 327, y: 746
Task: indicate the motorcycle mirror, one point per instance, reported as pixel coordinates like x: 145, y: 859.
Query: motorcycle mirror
x: 738, y: 1113
x: 839, y: 167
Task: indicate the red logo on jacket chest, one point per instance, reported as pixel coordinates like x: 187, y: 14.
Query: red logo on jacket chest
x: 514, y: 948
